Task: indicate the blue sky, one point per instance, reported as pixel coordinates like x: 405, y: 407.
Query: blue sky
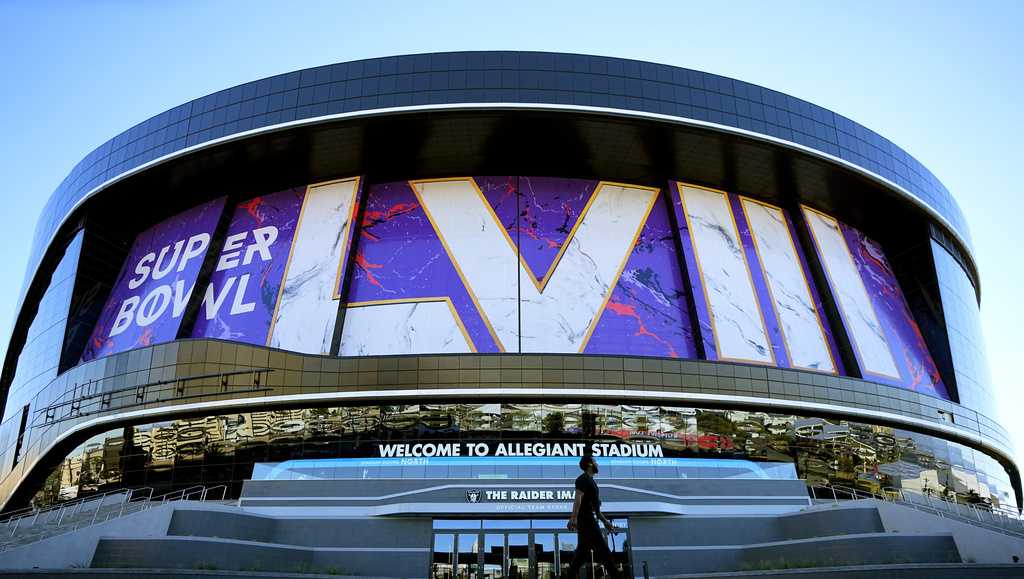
x: 941, y: 79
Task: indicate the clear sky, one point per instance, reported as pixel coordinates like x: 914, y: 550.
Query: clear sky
x: 941, y: 79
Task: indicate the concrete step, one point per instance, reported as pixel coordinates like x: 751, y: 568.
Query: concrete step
x: 299, y: 531
x: 695, y: 530
x: 198, y: 553
x: 904, y: 571
x: 166, y: 574
x: 922, y: 571
x: 862, y: 549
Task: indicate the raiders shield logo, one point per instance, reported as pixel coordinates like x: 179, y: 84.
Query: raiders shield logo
x: 473, y: 496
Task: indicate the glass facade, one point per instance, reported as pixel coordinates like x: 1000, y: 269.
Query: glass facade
x: 223, y: 449
x: 963, y: 326
x: 490, y: 77
x: 37, y: 363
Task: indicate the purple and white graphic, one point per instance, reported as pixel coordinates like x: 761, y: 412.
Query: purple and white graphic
x: 531, y: 264
x: 816, y: 299
x: 647, y: 314
x: 151, y: 292
x: 886, y: 340
x: 700, y: 303
x: 917, y: 369
x: 760, y: 283
x: 540, y: 218
x: 308, y: 303
x: 516, y: 263
x: 239, y: 302
x: 405, y: 295
x: 732, y: 317
x: 788, y: 297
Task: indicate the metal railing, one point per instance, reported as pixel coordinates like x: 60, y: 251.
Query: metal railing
x: 991, y: 517
x: 82, y: 400
x: 38, y: 524
x: 12, y: 520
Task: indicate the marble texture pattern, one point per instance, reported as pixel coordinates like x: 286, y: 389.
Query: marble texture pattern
x: 789, y: 289
x: 539, y: 214
x: 479, y: 249
x: 869, y: 340
x: 648, y: 312
x: 917, y: 368
x: 739, y: 328
x: 562, y: 316
x: 403, y: 328
x: 307, y: 307
x: 399, y: 257
x: 704, y: 331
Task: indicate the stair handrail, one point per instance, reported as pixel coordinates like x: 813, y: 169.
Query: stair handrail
x: 999, y: 515
x: 142, y: 495
x: 222, y: 488
x: 62, y: 508
x: 942, y: 512
x: 9, y: 515
x: 179, y: 494
x: 145, y: 492
x: 35, y: 511
x: 136, y: 494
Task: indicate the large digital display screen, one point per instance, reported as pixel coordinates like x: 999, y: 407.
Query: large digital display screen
x: 520, y: 264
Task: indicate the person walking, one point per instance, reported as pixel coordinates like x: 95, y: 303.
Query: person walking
x: 591, y: 545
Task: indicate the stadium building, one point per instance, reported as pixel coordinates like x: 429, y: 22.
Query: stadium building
x: 414, y: 290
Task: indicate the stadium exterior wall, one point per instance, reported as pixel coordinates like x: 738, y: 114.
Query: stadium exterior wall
x: 450, y: 255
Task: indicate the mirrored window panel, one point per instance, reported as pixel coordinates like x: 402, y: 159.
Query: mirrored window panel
x: 691, y: 442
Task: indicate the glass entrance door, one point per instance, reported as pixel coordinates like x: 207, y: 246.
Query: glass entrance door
x: 519, y: 556
x: 544, y: 554
x: 494, y: 556
x: 512, y: 549
x: 442, y: 564
x: 468, y: 556
x: 566, y: 551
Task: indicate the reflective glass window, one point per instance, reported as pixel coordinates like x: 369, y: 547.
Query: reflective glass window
x: 963, y: 326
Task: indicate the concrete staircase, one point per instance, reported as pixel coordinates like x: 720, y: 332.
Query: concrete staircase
x: 29, y: 526
x: 233, y: 539
x: 185, y: 538
x: 904, y: 571
x: 38, y: 525
x: 815, y: 538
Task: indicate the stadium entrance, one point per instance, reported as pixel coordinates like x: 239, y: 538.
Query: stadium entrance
x: 512, y: 548
x: 504, y: 517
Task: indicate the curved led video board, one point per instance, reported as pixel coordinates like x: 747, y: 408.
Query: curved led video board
x: 521, y: 264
